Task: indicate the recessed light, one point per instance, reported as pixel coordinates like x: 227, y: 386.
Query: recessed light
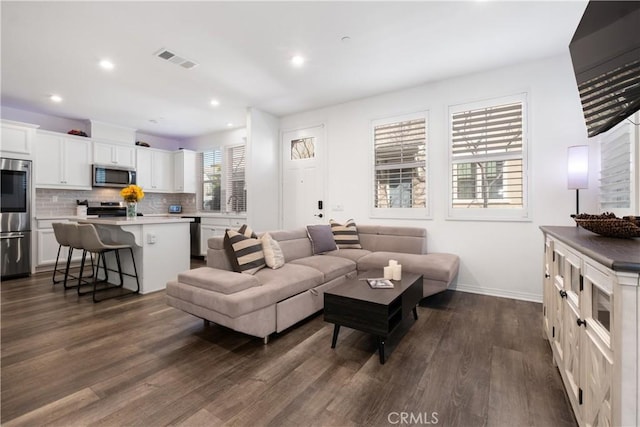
x: 55, y: 98
x: 215, y: 102
x: 297, y: 61
x: 229, y: 124
x: 106, y: 64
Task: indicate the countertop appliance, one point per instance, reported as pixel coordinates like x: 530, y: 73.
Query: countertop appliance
x: 106, y: 209
x: 113, y: 176
x: 15, y: 217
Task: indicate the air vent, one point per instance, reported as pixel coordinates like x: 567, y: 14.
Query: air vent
x: 167, y: 55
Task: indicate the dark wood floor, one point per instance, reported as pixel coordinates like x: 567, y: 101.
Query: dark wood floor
x: 469, y: 360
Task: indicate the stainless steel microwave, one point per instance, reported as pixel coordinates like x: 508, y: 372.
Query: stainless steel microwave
x: 113, y: 176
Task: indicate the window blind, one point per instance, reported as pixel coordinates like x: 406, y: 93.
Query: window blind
x: 615, y: 168
x: 487, y: 157
x: 210, y: 171
x: 236, y: 191
x: 400, y: 164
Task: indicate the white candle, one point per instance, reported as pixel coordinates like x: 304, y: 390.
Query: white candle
x: 393, y: 262
x: 388, y: 272
x: 397, y: 272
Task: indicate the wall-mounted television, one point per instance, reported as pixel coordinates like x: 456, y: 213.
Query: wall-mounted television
x: 605, y: 51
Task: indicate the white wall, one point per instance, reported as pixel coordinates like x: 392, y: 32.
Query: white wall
x: 216, y: 139
x: 498, y: 258
x: 263, y: 170
x: 46, y: 122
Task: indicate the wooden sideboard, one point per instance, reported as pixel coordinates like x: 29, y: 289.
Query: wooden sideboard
x: 590, y: 317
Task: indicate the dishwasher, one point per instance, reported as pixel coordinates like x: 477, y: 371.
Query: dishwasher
x: 194, y: 229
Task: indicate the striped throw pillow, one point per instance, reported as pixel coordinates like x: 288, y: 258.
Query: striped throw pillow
x: 245, y: 253
x: 346, y: 236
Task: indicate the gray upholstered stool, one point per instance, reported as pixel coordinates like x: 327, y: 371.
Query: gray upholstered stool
x: 60, y: 233
x: 67, y: 236
x: 92, y: 243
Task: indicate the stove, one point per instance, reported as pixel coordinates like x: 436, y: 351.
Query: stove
x: 106, y: 209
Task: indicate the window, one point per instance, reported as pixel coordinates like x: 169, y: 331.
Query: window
x: 223, y: 180
x: 400, y: 172
x: 488, y: 159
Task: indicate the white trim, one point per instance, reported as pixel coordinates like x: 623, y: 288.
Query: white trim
x: 495, y: 292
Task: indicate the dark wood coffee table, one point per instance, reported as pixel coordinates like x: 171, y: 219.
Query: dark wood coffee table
x: 381, y: 312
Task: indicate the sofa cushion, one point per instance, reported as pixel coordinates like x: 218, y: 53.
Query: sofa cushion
x: 330, y: 266
x: 352, y: 254
x: 245, y: 253
x: 434, y: 266
x: 273, y: 256
x: 294, y: 243
x: 214, y: 279
x: 321, y: 238
x: 345, y: 235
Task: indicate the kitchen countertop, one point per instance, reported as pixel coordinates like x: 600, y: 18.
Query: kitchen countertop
x: 617, y: 254
x: 141, y: 220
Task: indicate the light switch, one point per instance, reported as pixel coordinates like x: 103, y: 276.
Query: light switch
x: 151, y: 238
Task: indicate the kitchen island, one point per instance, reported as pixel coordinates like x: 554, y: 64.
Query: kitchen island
x: 160, y: 245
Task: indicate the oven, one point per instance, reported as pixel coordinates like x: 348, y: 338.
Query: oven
x: 15, y: 218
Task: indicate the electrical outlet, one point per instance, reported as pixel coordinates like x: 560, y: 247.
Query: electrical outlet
x: 151, y: 238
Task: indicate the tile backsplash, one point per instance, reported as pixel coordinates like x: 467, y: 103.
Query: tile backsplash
x: 63, y: 202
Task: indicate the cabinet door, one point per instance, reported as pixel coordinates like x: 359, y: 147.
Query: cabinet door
x: 102, y: 154
x: 548, y: 291
x: 143, y: 168
x: 48, y: 160
x: 184, y: 165
x: 16, y: 140
x: 572, y: 340
x: 124, y: 155
x: 598, y: 361
x: 162, y: 171
x: 77, y: 163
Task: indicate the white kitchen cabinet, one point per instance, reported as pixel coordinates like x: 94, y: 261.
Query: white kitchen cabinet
x: 216, y: 226
x: 17, y: 139
x: 107, y: 153
x: 47, y: 246
x: 62, y: 161
x: 154, y: 170
x: 184, y: 165
x: 590, y: 315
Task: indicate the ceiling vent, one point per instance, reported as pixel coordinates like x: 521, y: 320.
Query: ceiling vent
x: 167, y: 55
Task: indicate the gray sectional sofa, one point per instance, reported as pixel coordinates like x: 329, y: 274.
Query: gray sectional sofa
x: 272, y: 300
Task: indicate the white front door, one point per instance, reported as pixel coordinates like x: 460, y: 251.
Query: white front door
x: 303, y: 177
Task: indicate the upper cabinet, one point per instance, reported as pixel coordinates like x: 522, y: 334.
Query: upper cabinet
x: 184, y: 167
x: 154, y: 170
x: 62, y: 161
x: 108, y: 153
x: 17, y: 139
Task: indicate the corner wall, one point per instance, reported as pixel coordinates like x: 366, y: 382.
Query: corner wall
x: 497, y: 258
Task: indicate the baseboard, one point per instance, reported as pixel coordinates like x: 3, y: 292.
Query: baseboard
x: 473, y: 289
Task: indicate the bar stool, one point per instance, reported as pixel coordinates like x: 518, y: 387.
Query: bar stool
x: 92, y: 243
x: 63, y: 242
x: 64, y: 234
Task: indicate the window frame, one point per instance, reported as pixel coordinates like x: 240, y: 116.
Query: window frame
x: 399, y: 213
x: 489, y: 213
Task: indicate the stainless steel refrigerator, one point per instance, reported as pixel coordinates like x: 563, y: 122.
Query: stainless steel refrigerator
x: 15, y: 218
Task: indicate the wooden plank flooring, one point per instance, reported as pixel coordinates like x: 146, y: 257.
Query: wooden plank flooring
x: 469, y: 360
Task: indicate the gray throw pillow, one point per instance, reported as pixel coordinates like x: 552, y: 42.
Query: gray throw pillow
x: 321, y: 238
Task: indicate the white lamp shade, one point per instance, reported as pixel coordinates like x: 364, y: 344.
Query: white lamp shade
x: 578, y: 167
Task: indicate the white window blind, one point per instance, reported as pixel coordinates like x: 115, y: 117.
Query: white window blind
x: 236, y: 190
x: 488, y: 161
x: 223, y: 179
x: 400, y: 163
x: 616, y: 169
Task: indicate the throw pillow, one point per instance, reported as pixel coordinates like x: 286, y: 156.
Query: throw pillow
x: 346, y: 236
x: 273, y: 256
x: 245, y: 253
x: 321, y: 238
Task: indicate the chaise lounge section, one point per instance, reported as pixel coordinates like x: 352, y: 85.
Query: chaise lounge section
x: 272, y: 300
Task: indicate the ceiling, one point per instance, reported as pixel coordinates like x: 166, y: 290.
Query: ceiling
x: 243, y: 52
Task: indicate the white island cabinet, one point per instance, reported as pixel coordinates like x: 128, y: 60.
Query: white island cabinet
x: 161, y: 247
